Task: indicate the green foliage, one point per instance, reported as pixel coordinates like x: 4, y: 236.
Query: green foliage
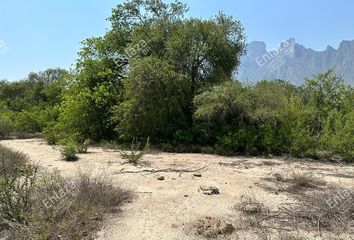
x: 277, y: 117
x: 207, y: 51
x: 158, y: 74
x: 156, y: 102
x: 224, y: 104
x: 7, y: 122
x: 82, y: 147
x: 68, y: 151
x: 28, y: 106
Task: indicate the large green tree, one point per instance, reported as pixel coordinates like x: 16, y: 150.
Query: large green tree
x: 156, y: 101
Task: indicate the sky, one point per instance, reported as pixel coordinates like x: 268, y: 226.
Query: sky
x: 39, y: 34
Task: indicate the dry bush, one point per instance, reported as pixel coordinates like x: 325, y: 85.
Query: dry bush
x: 304, y: 180
x: 328, y: 210
x: 331, y: 209
x: 17, y: 182
x: 249, y: 204
x: 11, y: 161
x: 298, y: 181
x: 79, y: 213
x: 99, y: 191
x: 51, y: 207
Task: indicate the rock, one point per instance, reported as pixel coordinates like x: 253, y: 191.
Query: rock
x: 210, y: 190
x: 197, y: 175
x: 185, y: 195
x: 161, y: 178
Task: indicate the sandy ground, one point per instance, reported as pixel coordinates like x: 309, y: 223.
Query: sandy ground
x: 164, y: 209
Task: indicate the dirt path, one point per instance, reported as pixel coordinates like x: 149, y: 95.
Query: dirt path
x: 164, y: 209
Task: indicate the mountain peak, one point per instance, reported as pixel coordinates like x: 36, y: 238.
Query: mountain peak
x: 293, y: 62
x: 346, y: 44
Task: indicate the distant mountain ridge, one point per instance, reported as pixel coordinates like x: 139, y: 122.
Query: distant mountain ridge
x: 293, y: 62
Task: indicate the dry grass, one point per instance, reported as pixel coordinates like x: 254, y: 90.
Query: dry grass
x: 51, y: 207
x: 297, y: 182
x: 250, y: 205
x: 329, y: 210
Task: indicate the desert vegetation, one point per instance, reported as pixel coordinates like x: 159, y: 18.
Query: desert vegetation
x: 156, y: 74
x: 45, y: 205
x: 160, y: 80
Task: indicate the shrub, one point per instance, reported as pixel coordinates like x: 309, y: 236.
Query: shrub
x: 27, y: 122
x: 17, y: 182
x: 50, y: 206
x: 68, y: 151
x: 302, y: 180
x: 51, y: 137
x: 134, y: 154
x: 77, y: 215
x: 7, y: 125
x: 83, y: 147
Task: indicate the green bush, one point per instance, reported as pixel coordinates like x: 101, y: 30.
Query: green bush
x: 27, y: 122
x: 68, y: 151
x: 7, y: 126
x: 82, y: 147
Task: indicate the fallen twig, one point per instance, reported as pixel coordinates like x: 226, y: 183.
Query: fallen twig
x: 165, y: 170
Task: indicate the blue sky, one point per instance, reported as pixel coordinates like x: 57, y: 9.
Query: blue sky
x: 39, y: 34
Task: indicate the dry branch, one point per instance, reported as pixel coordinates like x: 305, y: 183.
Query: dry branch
x: 165, y: 170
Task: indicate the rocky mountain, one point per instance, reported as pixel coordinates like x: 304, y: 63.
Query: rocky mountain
x: 293, y: 62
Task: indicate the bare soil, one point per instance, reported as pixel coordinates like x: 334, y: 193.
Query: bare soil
x: 170, y: 209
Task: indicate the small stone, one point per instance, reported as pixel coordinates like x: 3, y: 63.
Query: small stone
x: 210, y: 190
x: 197, y: 175
x: 161, y: 178
x: 185, y: 195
